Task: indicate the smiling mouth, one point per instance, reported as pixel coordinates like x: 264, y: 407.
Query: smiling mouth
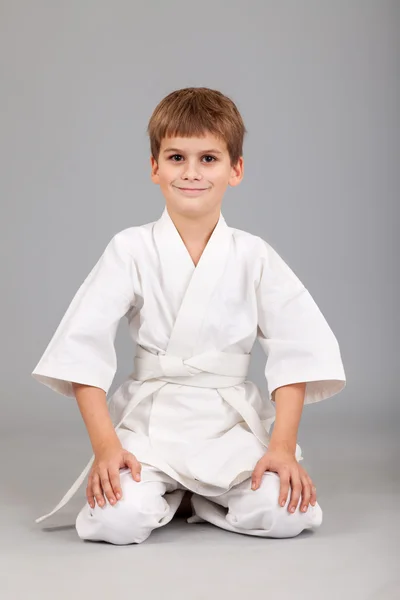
x: 192, y: 189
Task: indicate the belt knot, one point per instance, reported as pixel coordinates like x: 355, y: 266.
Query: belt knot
x: 175, y: 366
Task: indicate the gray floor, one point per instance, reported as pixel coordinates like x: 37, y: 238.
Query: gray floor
x: 354, y: 554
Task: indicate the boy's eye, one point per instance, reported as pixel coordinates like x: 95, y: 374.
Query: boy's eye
x: 205, y: 156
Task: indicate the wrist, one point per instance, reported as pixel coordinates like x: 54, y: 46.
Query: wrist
x: 282, y: 444
x: 106, y: 442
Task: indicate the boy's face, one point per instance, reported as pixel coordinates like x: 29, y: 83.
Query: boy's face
x: 201, y: 164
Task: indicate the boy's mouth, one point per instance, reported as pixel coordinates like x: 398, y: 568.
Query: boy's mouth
x: 191, y: 191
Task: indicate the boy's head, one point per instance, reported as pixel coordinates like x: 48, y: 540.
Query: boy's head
x: 196, y: 140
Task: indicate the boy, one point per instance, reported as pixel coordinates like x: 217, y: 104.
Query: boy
x: 197, y: 294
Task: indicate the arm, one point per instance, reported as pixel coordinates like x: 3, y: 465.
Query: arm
x: 110, y: 456
x: 289, y: 401
x: 280, y: 456
x: 80, y: 361
x: 92, y: 404
x: 303, y: 366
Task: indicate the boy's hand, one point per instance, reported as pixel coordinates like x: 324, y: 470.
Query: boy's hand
x: 104, y: 475
x: 284, y: 463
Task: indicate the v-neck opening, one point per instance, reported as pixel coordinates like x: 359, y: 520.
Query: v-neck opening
x: 194, y: 283
x: 182, y: 243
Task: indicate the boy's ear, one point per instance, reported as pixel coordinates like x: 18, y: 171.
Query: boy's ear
x: 237, y: 173
x: 154, y: 169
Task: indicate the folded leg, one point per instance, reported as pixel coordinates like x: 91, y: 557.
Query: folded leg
x: 255, y: 512
x: 144, y: 506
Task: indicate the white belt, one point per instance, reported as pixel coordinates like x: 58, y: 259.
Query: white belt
x: 220, y: 370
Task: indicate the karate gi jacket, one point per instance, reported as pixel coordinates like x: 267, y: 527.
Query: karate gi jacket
x: 188, y: 408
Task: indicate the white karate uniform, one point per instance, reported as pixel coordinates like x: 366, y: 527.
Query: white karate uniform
x: 187, y: 411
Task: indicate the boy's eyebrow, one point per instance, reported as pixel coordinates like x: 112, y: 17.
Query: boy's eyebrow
x: 214, y: 150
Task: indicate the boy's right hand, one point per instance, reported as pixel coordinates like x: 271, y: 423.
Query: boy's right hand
x: 104, y: 475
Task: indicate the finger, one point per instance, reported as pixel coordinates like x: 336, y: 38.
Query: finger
x: 284, y: 477
x: 257, y: 474
x: 114, y: 476
x: 106, y: 485
x: 134, y: 466
x: 89, y: 493
x: 296, y: 490
x: 97, y: 489
x: 313, y: 499
x: 305, y: 494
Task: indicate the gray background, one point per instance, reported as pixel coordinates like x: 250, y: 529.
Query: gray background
x: 317, y: 83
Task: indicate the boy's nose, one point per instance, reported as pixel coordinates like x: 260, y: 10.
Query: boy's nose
x: 191, y: 172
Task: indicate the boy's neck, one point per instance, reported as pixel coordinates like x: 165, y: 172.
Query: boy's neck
x: 195, y: 231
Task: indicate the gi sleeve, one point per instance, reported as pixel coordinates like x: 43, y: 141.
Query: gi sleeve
x: 82, y: 347
x: 299, y: 344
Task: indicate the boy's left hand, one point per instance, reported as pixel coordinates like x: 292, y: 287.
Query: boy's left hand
x: 291, y: 474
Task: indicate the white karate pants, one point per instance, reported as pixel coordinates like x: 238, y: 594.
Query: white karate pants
x: 153, y: 501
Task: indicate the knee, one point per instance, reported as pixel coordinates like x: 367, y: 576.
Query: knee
x: 291, y: 524
x: 130, y: 520
x: 260, y: 510
x: 256, y: 509
x: 284, y: 523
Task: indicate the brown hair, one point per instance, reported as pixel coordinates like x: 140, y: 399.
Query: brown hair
x: 194, y: 111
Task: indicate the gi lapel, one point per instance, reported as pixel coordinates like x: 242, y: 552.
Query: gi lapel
x: 196, y: 283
